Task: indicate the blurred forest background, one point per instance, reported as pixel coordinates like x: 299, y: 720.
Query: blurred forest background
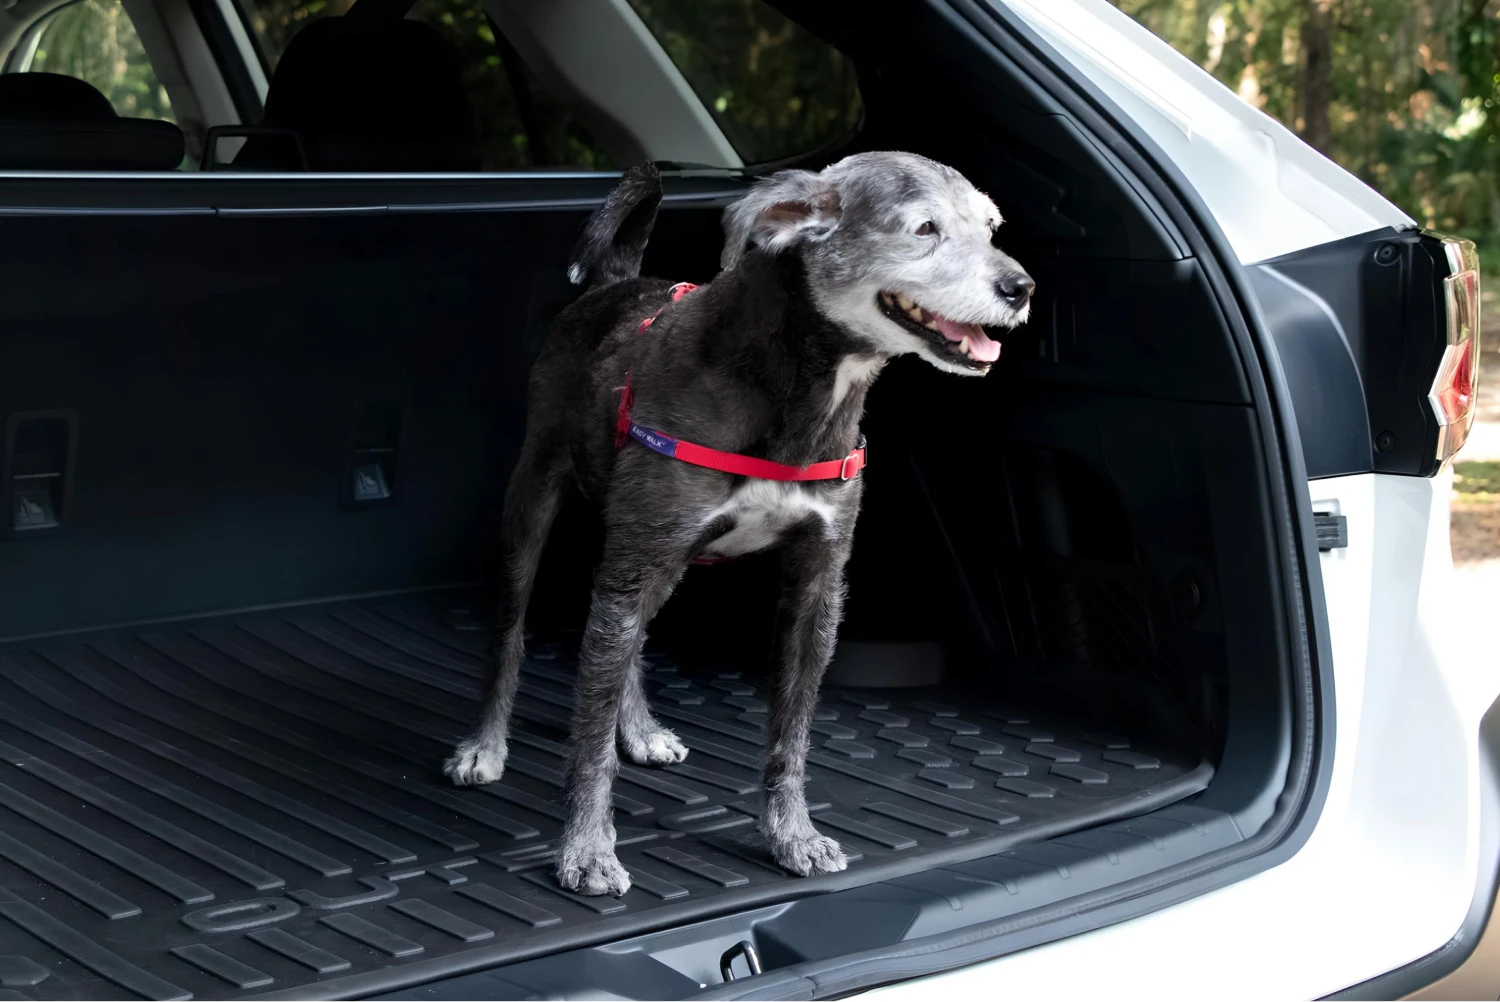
x: 95, y: 41
x: 1402, y: 93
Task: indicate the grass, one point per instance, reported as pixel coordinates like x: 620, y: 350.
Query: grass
x: 1477, y: 482
x: 1475, y: 529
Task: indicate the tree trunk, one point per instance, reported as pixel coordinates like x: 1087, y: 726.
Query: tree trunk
x: 1317, y: 73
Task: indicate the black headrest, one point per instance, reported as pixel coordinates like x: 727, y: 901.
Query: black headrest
x: 51, y: 97
x: 53, y: 122
x: 367, y: 95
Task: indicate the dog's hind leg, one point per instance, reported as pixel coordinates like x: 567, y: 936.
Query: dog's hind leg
x: 812, y: 604
x: 637, y: 574
x: 642, y: 738
x: 531, y: 502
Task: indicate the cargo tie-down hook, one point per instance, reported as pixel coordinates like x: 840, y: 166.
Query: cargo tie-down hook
x: 743, y: 948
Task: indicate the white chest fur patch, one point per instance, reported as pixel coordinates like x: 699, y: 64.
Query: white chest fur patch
x: 853, y: 370
x: 762, y: 511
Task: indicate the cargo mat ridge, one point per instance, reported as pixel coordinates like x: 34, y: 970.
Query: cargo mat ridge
x: 250, y: 805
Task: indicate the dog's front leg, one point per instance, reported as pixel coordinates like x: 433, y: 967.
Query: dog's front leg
x: 642, y: 737
x: 634, y: 579
x: 812, y: 605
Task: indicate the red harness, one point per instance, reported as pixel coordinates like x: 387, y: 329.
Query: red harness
x: 726, y: 462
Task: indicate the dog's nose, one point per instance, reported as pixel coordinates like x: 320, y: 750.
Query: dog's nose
x: 1015, y: 288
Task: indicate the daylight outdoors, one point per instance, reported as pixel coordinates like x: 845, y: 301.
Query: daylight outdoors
x: 95, y: 41
x: 1406, y: 95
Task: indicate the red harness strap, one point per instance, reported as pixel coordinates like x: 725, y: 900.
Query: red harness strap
x: 678, y: 291
x: 726, y: 462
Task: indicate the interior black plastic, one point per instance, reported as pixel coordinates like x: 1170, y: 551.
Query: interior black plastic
x: 802, y: 942
x: 1360, y: 325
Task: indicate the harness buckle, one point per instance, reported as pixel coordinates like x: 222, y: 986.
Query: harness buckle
x: 859, y: 447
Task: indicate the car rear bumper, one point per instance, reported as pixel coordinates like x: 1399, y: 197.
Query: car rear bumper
x: 1468, y: 965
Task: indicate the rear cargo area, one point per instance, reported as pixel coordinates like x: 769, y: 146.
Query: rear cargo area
x: 257, y: 434
x: 238, y: 792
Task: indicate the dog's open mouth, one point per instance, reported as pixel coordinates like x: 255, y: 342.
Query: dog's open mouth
x: 968, y: 342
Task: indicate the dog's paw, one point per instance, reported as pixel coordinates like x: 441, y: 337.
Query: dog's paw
x: 807, y: 856
x: 472, y: 764
x: 660, y: 747
x: 593, y: 872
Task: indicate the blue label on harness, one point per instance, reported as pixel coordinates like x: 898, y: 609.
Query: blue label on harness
x: 654, y: 440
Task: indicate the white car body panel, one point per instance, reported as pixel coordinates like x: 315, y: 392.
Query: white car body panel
x: 1390, y: 868
x: 1270, y: 192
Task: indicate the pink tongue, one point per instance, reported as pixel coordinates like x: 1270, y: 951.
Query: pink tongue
x: 980, y: 345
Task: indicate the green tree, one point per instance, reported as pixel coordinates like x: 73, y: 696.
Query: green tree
x: 94, y: 40
x: 1402, y: 93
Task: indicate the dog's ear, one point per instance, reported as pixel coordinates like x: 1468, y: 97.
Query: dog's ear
x: 781, y: 211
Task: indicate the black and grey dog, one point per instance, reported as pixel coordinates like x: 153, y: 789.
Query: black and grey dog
x: 826, y: 276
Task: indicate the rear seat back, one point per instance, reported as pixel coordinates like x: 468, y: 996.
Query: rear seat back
x: 53, y: 122
x: 367, y: 95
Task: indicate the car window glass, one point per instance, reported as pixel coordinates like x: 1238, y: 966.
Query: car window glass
x: 95, y: 41
x: 520, y: 125
x: 775, y: 89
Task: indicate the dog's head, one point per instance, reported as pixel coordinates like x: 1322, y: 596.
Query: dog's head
x: 898, y: 250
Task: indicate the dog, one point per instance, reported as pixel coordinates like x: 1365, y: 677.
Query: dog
x: 825, y: 277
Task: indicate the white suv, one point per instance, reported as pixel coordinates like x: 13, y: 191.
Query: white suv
x: 1154, y: 679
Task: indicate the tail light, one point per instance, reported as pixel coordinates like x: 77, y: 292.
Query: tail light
x: 1392, y: 389
x: 1452, y: 393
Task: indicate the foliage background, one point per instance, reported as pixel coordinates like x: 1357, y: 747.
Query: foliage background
x: 94, y: 40
x: 1402, y: 93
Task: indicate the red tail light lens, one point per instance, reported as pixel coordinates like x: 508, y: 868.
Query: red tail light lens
x: 1452, y: 393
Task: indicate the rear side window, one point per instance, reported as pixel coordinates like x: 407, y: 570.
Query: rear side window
x: 95, y: 41
x: 520, y: 126
x: 776, y: 90
x: 274, y: 22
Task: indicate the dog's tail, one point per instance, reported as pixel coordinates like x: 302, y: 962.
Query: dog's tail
x: 614, y: 238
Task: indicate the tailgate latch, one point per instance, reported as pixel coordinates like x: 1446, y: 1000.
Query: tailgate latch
x: 1332, y: 530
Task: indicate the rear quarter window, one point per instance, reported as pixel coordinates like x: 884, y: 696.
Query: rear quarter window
x: 95, y: 41
x: 774, y: 88
x: 521, y: 125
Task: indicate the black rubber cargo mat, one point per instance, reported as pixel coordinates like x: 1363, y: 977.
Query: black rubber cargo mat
x: 251, y: 805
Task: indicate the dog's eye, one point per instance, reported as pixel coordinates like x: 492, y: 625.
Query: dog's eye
x: 927, y: 229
